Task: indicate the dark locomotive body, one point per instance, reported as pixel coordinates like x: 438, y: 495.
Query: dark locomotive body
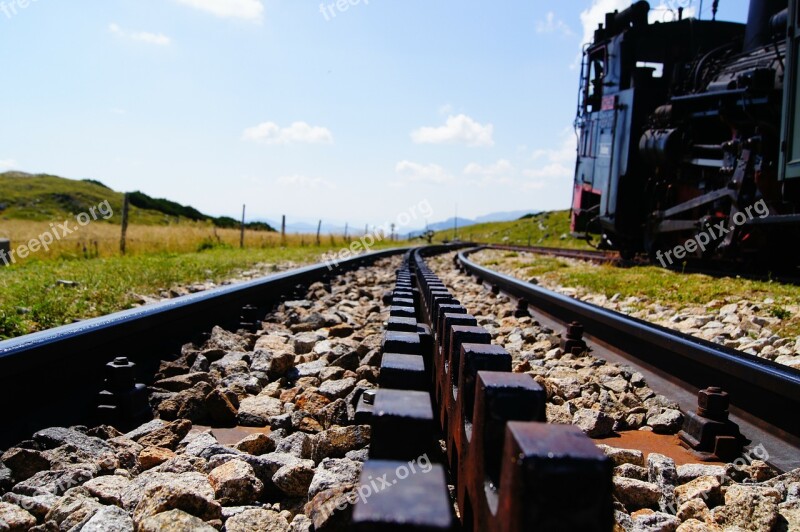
x: 687, y: 125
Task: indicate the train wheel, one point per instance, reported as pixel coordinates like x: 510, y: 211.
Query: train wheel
x: 627, y: 254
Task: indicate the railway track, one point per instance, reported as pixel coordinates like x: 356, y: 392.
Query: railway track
x: 753, y: 273
x: 761, y: 390
x: 595, y: 256
x: 299, y: 402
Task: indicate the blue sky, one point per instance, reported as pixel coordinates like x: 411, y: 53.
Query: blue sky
x: 300, y: 108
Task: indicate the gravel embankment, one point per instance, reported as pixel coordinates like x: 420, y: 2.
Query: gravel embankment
x: 743, y: 324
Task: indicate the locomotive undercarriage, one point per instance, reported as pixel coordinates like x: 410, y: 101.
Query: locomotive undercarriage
x: 716, y: 166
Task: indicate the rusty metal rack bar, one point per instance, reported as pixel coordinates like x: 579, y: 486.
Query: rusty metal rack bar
x: 404, y: 432
x: 512, y: 471
x: 758, y: 387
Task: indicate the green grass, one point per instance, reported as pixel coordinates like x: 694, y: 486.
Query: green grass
x: 662, y: 286
x: 550, y: 229
x: 32, y: 300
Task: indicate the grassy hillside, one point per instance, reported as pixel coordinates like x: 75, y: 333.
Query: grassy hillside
x: 549, y: 229
x: 48, y: 198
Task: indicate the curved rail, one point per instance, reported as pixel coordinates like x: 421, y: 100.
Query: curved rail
x: 719, y: 269
x: 766, y: 390
x: 600, y: 257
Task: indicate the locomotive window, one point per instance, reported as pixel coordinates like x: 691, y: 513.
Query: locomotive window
x: 595, y: 84
x: 658, y: 68
x: 794, y: 155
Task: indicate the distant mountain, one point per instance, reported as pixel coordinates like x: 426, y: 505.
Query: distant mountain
x: 448, y: 225
x: 308, y: 228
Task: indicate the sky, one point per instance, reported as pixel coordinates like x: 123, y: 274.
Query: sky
x: 358, y: 111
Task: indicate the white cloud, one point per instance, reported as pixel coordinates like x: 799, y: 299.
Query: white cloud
x: 158, y: 39
x: 550, y: 171
x: 252, y: 10
x: 552, y: 24
x: 458, y: 129
x: 499, y: 173
x: 304, y: 181
x: 6, y: 164
x: 564, y: 153
x: 423, y: 173
x: 596, y: 14
x: 556, y: 163
x: 298, y: 132
x: 665, y: 11
x: 668, y: 11
x: 503, y: 166
x: 534, y: 185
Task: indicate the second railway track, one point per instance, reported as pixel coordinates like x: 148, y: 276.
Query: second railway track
x: 762, y: 391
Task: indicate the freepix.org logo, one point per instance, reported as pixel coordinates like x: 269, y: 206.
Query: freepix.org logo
x: 711, y: 234
x: 57, y: 232
x: 330, y: 10
x: 11, y: 8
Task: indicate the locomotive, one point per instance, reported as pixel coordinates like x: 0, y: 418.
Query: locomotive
x: 688, y: 137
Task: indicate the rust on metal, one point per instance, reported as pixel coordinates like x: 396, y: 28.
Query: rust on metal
x: 573, y: 339
x: 401, y: 342
x: 401, y: 312
x: 403, y: 372
x: 447, y: 322
x: 651, y: 442
x: 401, y: 324
x: 417, y: 502
x: 402, y: 425
x: 708, y: 431
x: 554, y: 478
x: 522, y: 309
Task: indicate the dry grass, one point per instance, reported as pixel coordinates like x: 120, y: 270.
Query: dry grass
x: 102, y: 239
x: 32, y: 298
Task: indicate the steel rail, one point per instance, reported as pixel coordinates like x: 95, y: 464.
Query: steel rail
x: 719, y: 270
x: 52, y: 377
x: 597, y: 256
x: 768, y: 391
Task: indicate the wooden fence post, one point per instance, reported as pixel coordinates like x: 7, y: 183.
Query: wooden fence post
x: 241, y: 236
x: 5, y: 252
x: 124, y: 235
